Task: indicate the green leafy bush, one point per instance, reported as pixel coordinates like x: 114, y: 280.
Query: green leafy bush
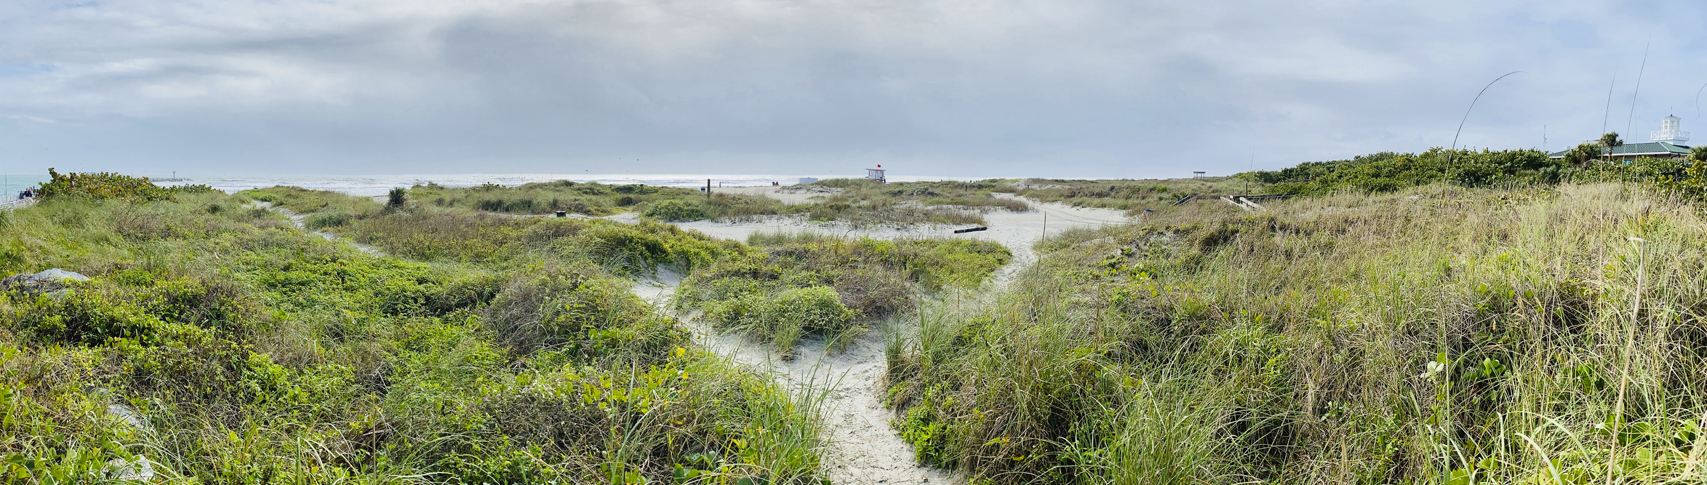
x: 86, y: 318
x: 1386, y: 172
x: 102, y: 186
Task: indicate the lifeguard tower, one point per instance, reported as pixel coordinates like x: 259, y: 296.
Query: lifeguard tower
x: 876, y: 174
x: 1671, y: 131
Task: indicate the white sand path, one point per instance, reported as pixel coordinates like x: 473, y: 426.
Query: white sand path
x: 297, y: 220
x: 863, y: 447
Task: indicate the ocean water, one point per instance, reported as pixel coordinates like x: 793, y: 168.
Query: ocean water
x: 377, y: 185
x: 11, y: 184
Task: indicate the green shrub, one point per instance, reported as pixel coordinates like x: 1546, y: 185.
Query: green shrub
x: 578, y: 309
x: 675, y: 211
x: 86, y: 318
x: 102, y: 186
x: 1387, y: 172
x: 625, y: 248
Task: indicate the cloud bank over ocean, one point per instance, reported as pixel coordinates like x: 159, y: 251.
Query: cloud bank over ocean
x: 963, y: 88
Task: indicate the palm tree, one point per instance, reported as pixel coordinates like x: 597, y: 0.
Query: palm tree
x: 1608, y: 141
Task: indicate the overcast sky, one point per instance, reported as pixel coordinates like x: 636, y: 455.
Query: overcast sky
x: 1053, y: 88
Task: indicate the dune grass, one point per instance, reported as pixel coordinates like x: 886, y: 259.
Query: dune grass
x: 226, y: 346
x: 1437, y: 334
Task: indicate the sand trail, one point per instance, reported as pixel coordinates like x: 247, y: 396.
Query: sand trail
x: 863, y: 448
x: 298, y: 220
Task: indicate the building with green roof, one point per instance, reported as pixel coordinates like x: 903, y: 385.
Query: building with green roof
x: 1667, y: 143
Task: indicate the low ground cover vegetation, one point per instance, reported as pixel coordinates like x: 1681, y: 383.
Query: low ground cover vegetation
x: 223, y: 345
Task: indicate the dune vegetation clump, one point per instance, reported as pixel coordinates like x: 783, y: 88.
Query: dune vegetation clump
x: 217, y: 343
x: 869, y: 279
x: 675, y: 211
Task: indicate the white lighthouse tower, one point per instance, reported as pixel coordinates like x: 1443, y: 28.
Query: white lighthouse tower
x: 1671, y: 131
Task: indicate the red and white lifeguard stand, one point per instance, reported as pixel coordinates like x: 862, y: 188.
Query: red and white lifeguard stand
x: 876, y: 174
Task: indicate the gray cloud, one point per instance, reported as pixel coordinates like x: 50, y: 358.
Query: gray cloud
x: 979, y: 88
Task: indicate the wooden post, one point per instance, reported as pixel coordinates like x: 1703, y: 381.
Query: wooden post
x: 708, y: 189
